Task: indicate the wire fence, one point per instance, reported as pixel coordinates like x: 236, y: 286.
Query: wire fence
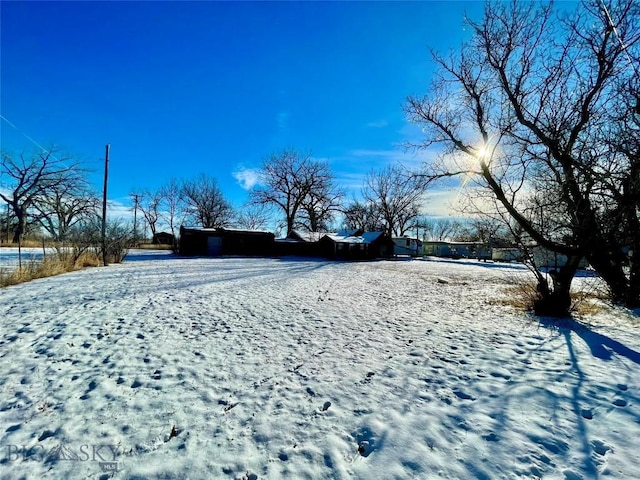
x: 11, y: 258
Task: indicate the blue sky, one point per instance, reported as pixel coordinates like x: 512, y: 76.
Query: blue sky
x: 180, y: 88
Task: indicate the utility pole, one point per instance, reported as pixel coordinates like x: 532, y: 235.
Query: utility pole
x: 135, y: 218
x: 104, y: 207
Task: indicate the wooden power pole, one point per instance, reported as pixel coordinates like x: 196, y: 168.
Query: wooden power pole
x: 104, y: 207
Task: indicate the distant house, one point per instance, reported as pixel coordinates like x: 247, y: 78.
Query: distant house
x: 345, y: 245
x: 225, y: 241
x: 163, y: 238
x: 437, y: 248
x: 299, y: 243
x: 457, y: 249
x: 407, y: 246
x: 307, y: 237
x: 367, y: 246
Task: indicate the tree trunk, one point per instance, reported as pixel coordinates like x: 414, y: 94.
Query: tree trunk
x: 555, y: 300
x: 21, y: 219
x: 633, y: 296
x: 290, y: 220
x: 610, y: 268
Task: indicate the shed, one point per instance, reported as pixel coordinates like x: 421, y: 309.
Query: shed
x: 163, y: 238
x: 225, y: 241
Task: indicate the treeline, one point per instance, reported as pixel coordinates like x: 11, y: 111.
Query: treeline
x: 300, y: 192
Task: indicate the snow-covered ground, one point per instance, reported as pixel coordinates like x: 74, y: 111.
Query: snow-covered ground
x: 289, y: 368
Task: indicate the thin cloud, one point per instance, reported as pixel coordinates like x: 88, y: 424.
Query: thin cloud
x: 117, y: 210
x: 411, y: 159
x: 247, y: 178
x: 378, y: 124
x: 282, y: 120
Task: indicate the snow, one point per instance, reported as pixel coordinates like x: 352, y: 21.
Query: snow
x: 164, y: 367
x: 9, y: 256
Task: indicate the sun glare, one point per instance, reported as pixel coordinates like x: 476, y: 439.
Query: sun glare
x: 482, y: 152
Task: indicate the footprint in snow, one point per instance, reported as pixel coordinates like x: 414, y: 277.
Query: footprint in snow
x: 463, y: 395
x: 587, y: 413
x: 491, y: 437
x: 600, y: 447
x: 366, y: 440
x: 620, y: 402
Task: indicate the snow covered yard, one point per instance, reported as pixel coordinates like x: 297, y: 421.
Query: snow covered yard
x: 264, y: 368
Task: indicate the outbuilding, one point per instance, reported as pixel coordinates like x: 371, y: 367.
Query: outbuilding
x: 215, y: 242
x: 163, y: 238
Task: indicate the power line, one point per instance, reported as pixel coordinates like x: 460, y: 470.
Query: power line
x: 25, y: 135
x: 617, y: 34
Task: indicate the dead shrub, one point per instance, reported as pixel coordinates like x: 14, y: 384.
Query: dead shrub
x: 49, y: 266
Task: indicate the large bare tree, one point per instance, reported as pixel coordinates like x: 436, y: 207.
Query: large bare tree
x: 149, y: 203
x: 300, y: 187
x: 40, y: 178
x: 205, y: 202
x: 397, y: 194
x: 532, y: 109
x: 64, y: 205
x: 366, y: 216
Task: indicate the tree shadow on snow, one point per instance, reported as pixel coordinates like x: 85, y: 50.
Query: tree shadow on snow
x: 478, y: 263
x: 601, y: 346
x: 150, y: 255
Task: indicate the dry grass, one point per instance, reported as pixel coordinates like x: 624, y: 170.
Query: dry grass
x: 25, y: 244
x: 49, y: 266
x: 522, y: 294
x: 153, y: 246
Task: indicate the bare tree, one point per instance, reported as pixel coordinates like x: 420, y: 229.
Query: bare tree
x: 483, y: 229
x: 205, y: 203
x: 300, y: 187
x: 526, y: 110
x: 38, y: 178
x: 397, y: 194
x: 442, y: 229
x: 252, y: 218
x: 363, y: 216
x: 149, y: 205
x: 172, y: 204
x: 322, y: 202
x: 62, y: 206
